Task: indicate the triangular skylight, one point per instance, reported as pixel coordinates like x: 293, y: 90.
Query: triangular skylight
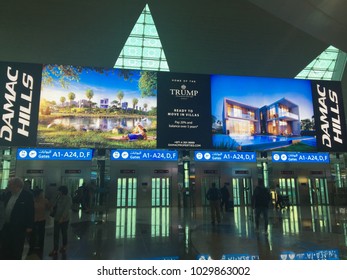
x: 143, y: 49
x: 329, y: 65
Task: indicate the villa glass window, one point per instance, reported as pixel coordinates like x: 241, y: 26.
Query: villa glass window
x: 272, y: 112
x: 237, y: 112
x: 241, y: 127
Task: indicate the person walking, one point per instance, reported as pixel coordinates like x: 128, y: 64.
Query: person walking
x: 213, y: 195
x: 260, y: 202
x: 37, y: 237
x: 225, y: 196
x: 61, y: 215
x: 278, y: 202
x: 19, y: 219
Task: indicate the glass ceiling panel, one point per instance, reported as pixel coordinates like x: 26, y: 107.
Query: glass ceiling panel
x: 143, y: 49
x: 325, y: 66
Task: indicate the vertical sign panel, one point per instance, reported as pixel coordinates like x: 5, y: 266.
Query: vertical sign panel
x: 329, y: 116
x: 19, y: 103
x: 184, y: 111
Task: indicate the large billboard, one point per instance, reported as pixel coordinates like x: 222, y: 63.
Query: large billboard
x: 83, y: 107
x: 95, y: 107
x: 259, y: 114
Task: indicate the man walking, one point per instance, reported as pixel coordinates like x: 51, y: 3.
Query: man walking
x: 19, y: 219
x: 225, y: 198
x: 260, y: 202
x: 214, y: 197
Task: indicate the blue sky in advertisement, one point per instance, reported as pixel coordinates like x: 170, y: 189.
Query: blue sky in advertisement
x: 104, y: 85
x: 257, y: 92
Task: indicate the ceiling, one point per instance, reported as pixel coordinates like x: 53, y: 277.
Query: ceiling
x: 274, y: 38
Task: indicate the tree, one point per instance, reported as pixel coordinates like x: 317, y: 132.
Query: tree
x: 71, y: 96
x: 148, y: 83
x: 45, y: 106
x: 115, y: 103
x: 67, y: 73
x: 62, y: 100
x: 135, y: 102
x: 89, y: 95
x: 120, y: 96
x: 307, y: 124
x: 145, y: 106
x: 126, y: 74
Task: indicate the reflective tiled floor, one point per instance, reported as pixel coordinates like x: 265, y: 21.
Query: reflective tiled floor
x: 172, y: 233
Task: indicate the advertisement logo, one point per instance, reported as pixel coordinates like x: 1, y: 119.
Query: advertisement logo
x: 184, y: 92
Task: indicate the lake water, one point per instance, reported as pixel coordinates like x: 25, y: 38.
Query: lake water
x: 100, y: 123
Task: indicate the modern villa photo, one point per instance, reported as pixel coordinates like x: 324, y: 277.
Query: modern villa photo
x: 96, y: 107
x: 260, y: 114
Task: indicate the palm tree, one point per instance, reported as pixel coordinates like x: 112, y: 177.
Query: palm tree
x: 135, y: 101
x: 89, y: 95
x: 145, y: 107
x: 120, y: 95
x: 71, y: 97
x: 62, y: 100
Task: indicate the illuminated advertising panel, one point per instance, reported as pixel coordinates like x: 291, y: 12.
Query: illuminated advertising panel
x: 259, y: 114
x: 184, y: 115
x: 84, y: 107
x: 300, y: 157
x: 330, y: 125
x: 19, y: 102
x: 153, y: 155
x: 225, y: 156
x: 54, y: 154
x: 95, y: 107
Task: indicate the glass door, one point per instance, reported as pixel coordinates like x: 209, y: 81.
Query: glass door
x: 206, y: 183
x: 318, y: 191
x: 35, y: 182
x: 161, y: 191
x: 241, y: 191
x: 288, y: 188
x: 72, y: 183
x: 126, y: 195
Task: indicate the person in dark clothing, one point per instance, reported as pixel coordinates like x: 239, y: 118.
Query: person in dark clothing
x: 214, y: 197
x: 37, y: 237
x: 19, y: 219
x: 225, y: 198
x: 278, y: 197
x: 61, y: 221
x: 86, y: 198
x: 260, y: 202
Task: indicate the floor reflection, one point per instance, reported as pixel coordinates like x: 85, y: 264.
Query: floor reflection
x: 177, y: 233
